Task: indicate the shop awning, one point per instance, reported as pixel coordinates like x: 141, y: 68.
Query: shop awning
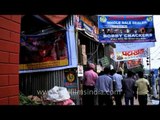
x: 56, y: 19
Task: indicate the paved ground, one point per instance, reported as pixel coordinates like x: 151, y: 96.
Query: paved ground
x: 150, y: 101
x: 136, y: 102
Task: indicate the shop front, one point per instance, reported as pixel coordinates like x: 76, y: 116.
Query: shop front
x: 47, y: 54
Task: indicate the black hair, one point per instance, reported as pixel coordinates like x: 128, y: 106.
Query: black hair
x: 107, y: 70
x: 129, y: 73
x: 112, y: 71
x: 101, y: 73
x: 152, y: 72
x: 119, y: 72
x: 140, y: 74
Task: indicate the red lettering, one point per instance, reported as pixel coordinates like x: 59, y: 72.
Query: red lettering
x: 141, y: 51
x: 130, y: 53
x: 116, y: 18
x: 129, y: 62
x: 125, y: 53
x: 135, y: 18
x: 136, y: 52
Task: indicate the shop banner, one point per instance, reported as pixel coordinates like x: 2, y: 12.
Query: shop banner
x: 81, y: 25
x: 126, y: 29
x: 43, y: 51
x: 133, y: 46
x: 133, y: 63
x: 105, y: 61
x: 129, y: 55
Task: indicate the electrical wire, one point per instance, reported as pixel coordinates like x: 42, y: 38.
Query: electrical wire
x: 94, y: 53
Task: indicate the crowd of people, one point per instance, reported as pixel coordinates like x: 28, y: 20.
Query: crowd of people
x: 110, y: 87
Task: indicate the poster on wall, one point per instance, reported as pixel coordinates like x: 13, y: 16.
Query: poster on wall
x: 70, y: 78
x: 134, y: 63
x: 43, y: 51
x: 133, y: 54
x: 126, y: 29
x: 70, y: 81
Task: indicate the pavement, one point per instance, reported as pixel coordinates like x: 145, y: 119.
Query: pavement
x: 150, y: 101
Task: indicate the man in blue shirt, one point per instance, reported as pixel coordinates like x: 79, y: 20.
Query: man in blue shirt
x: 117, y: 87
x: 104, y: 87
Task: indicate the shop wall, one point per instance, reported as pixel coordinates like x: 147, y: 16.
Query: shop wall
x: 9, y: 59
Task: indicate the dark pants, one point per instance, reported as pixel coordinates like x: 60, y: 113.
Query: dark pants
x: 129, y: 100
x: 142, y: 99
x: 88, y: 95
x: 118, y: 98
x: 105, y: 99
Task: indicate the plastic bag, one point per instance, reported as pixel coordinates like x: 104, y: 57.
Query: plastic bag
x: 57, y: 94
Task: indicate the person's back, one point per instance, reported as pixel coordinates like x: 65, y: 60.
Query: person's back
x: 117, y: 86
x: 90, y: 77
x: 89, y: 82
x: 118, y: 81
x: 143, y: 88
x: 104, y: 88
x: 153, y: 84
x: 153, y: 78
x: 129, y: 88
x: 103, y: 83
x: 158, y: 80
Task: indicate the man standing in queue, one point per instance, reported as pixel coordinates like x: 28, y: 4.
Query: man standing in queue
x: 90, y: 77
